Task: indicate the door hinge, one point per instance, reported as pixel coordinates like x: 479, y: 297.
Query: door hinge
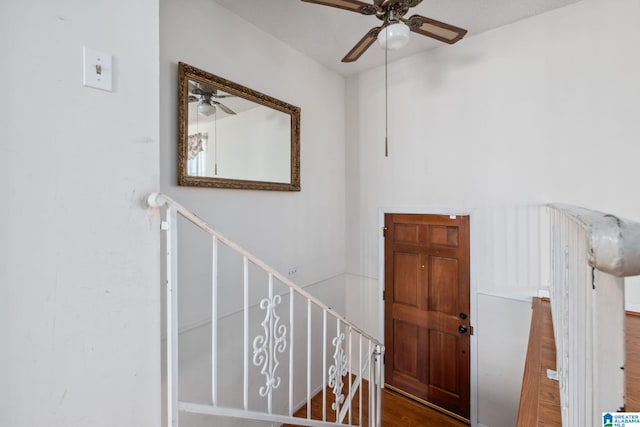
x: 383, y: 295
x: 470, y: 330
x: 384, y: 231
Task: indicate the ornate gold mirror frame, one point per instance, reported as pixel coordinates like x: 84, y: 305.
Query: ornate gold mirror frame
x: 230, y: 136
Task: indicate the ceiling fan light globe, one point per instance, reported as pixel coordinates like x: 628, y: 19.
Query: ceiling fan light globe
x: 394, y: 36
x: 206, y: 109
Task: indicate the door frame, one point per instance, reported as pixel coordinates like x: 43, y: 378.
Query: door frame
x: 473, y: 286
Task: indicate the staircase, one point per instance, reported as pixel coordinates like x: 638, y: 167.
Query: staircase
x: 285, y: 347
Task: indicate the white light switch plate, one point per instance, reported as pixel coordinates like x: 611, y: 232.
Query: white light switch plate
x: 97, y: 70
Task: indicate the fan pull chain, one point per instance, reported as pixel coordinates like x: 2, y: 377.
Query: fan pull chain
x: 386, y: 95
x: 215, y: 142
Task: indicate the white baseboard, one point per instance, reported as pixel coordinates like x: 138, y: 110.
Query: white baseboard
x: 632, y: 307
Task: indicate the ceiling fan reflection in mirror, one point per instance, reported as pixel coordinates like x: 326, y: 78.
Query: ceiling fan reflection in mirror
x: 395, y: 28
x: 206, y: 99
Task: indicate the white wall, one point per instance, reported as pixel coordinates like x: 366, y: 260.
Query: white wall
x: 539, y: 111
x: 303, y: 229
x: 502, y: 336
x: 80, y: 266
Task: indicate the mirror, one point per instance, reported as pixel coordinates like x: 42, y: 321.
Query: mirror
x: 230, y: 136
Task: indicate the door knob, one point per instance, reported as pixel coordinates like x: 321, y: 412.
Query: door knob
x: 462, y: 329
x: 463, y: 315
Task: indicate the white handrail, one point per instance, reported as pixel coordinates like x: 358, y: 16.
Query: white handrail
x: 157, y: 200
x: 269, y: 343
x: 614, y: 243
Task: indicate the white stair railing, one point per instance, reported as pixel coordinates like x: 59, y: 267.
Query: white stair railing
x: 285, y: 314
x: 591, y: 253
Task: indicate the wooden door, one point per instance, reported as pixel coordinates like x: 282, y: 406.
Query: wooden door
x: 427, y: 323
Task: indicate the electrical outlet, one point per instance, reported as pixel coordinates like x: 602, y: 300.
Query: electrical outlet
x: 292, y: 271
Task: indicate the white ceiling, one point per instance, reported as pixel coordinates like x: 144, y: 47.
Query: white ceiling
x: 327, y: 33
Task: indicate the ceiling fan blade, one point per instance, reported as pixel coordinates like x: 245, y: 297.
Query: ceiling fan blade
x: 435, y: 29
x: 352, y: 5
x: 215, y: 94
x: 224, y: 108
x: 192, y: 86
x: 193, y: 98
x: 362, y: 45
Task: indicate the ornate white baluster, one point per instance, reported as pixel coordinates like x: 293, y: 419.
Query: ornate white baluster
x: 267, y: 346
x: 337, y: 371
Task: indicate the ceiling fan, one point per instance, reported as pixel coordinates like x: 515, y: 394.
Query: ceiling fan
x: 204, y: 96
x: 396, y: 27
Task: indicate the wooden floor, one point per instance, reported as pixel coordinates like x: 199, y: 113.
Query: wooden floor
x: 397, y: 411
x: 632, y: 362
x: 540, y: 396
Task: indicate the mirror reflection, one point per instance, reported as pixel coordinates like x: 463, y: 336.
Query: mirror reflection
x: 234, y: 137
